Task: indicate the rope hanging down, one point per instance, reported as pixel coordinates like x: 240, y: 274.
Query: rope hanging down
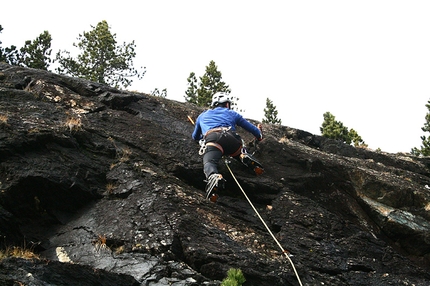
x: 285, y: 252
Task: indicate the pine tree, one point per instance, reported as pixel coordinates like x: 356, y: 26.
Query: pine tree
x: 157, y: 92
x: 101, y: 59
x: 8, y: 55
x: 36, y: 53
x: 425, y: 147
x: 270, y: 113
x: 356, y: 139
x: 191, y: 92
x: 336, y: 130
x: 201, y: 92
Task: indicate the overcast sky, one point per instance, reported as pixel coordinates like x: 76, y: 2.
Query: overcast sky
x: 366, y: 62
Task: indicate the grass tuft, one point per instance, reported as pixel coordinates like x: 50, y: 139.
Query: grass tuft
x: 20, y: 252
x: 73, y: 124
x: 3, y: 119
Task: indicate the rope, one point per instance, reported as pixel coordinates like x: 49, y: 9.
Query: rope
x: 264, y: 223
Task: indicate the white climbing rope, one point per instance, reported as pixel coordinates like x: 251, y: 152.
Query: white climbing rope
x: 264, y: 223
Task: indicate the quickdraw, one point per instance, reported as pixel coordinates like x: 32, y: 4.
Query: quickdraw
x: 202, y: 144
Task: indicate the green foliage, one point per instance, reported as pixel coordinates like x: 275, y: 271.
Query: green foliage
x: 101, y: 59
x: 191, y: 92
x: 425, y: 147
x: 235, y: 277
x: 8, y: 55
x: 200, y: 92
x: 157, y: 92
x: 336, y: 130
x: 270, y: 113
x: 36, y: 54
x: 356, y: 139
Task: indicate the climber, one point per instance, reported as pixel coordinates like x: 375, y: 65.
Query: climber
x: 216, y: 130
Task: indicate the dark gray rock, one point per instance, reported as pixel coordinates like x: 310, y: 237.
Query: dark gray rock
x: 107, y: 187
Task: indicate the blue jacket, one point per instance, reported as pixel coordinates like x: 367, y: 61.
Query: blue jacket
x: 222, y: 117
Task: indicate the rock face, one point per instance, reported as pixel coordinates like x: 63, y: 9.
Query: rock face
x: 107, y: 187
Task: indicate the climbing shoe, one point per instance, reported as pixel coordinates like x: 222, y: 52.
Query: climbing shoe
x: 215, y: 183
x: 252, y: 163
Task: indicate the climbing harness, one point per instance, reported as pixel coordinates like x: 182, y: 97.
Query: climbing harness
x: 203, y: 144
x: 285, y: 252
x: 223, y: 129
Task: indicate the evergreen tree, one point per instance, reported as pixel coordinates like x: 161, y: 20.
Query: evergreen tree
x: 336, y: 130
x: 270, y: 113
x: 200, y: 93
x: 356, y: 139
x: 191, y: 92
x: 157, y: 92
x: 101, y: 59
x: 8, y: 55
x: 36, y: 54
x: 425, y: 147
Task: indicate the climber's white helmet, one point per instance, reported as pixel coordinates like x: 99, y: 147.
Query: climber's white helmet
x: 219, y: 98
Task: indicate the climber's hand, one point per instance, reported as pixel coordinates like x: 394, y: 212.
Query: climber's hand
x: 259, y: 126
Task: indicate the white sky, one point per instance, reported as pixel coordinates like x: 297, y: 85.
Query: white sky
x: 366, y: 62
